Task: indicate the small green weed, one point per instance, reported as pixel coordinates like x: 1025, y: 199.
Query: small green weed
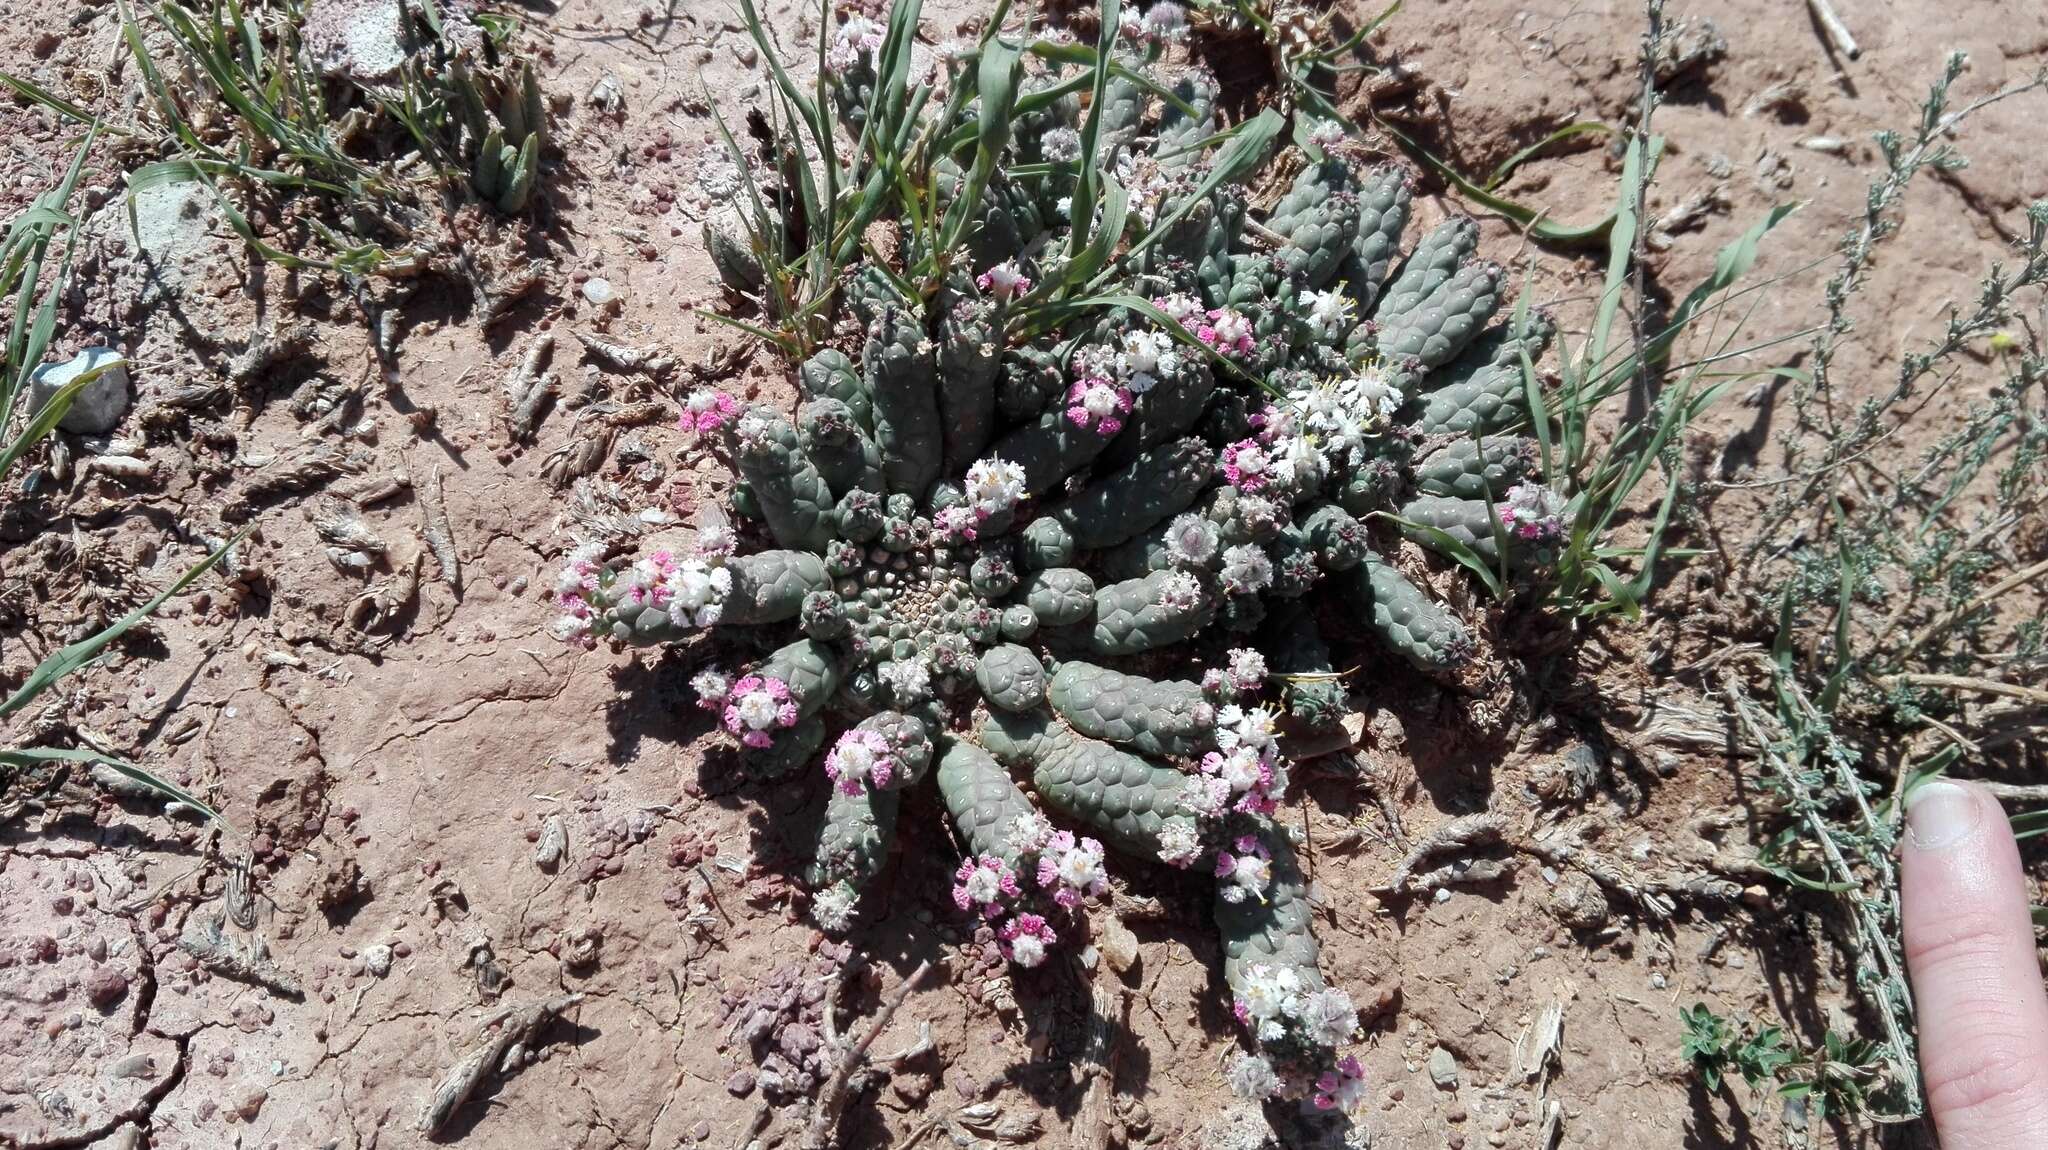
x: 1890, y: 572
x: 33, y: 320
x: 16, y: 762
x: 274, y: 129
x: 1834, y: 1080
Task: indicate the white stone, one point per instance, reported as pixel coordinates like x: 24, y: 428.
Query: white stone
x: 97, y: 408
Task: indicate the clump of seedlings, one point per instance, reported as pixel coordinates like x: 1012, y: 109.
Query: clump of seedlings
x: 318, y: 157
x: 1071, y: 480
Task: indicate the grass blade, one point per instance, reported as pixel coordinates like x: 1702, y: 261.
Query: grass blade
x: 31, y: 756
x: 1535, y: 221
x: 1465, y: 555
x: 45, y: 420
x: 1091, y: 128
x: 1507, y: 167
x: 71, y: 658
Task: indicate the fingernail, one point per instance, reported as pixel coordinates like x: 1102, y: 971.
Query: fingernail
x: 1939, y: 813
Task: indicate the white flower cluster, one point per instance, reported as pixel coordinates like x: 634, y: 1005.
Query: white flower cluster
x: 1247, y: 569
x: 833, y: 907
x: 910, y: 679
x: 1329, y: 312
x: 711, y: 684
x: 856, y: 40
x: 1151, y: 184
x: 1251, y: 727
x: 1191, y: 540
x: 1273, y: 1001
x: 1061, y: 146
x: 1028, y: 833
x: 1146, y: 357
x: 1162, y: 23
x: 1252, y: 1078
x: 691, y: 590
x: 1341, y: 414
x: 1180, y: 841
x: 1180, y: 591
x: 1247, y: 668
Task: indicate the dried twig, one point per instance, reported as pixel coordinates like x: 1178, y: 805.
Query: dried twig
x: 1465, y: 831
x: 316, y: 466
x: 523, y: 377
x: 1837, y: 32
x: 1990, y: 594
x: 529, y: 387
x: 499, y: 1050
x: 526, y: 415
x: 382, y: 603
x: 652, y: 359
x: 336, y: 522
x: 847, y: 1076
x: 1968, y: 683
x: 365, y: 490
x: 1463, y: 872
x: 1110, y: 1007
x: 440, y: 537
x: 204, y: 940
x: 583, y: 454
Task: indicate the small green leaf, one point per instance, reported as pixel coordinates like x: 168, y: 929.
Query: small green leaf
x: 68, y: 659
x: 30, y: 756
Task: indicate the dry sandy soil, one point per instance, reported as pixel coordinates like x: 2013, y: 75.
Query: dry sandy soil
x: 392, y: 790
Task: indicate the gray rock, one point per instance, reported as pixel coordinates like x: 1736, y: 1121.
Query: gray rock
x: 1239, y: 1126
x: 361, y: 39
x: 96, y: 409
x: 1443, y: 1069
x: 158, y: 240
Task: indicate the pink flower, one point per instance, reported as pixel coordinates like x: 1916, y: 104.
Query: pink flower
x: 1247, y: 873
x: 1003, y: 281
x: 860, y: 756
x: 706, y: 411
x: 957, y: 523
x: 756, y: 707
x: 1533, y: 512
x: 1095, y: 404
x: 1072, y: 868
x: 1229, y: 331
x: 1342, y: 1088
x: 1246, y: 465
x: 984, y: 883
x: 1026, y: 938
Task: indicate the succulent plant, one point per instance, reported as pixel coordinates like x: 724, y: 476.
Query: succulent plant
x: 498, y: 122
x: 1091, y: 544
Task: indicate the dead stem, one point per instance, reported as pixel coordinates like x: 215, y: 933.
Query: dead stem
x: 847, y: 1077
x: 516, y: 1030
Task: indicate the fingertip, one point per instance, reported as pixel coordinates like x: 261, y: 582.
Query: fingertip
x: 1969, y: 948
x: 1941, y: 813
x: 1960, y: 864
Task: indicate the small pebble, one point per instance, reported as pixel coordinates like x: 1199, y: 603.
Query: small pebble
x: 105, y: 986
x: 1443, y: 1069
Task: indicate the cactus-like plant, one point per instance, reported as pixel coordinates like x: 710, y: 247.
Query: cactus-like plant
x: 1011, y: 532
x: 499, y: 126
